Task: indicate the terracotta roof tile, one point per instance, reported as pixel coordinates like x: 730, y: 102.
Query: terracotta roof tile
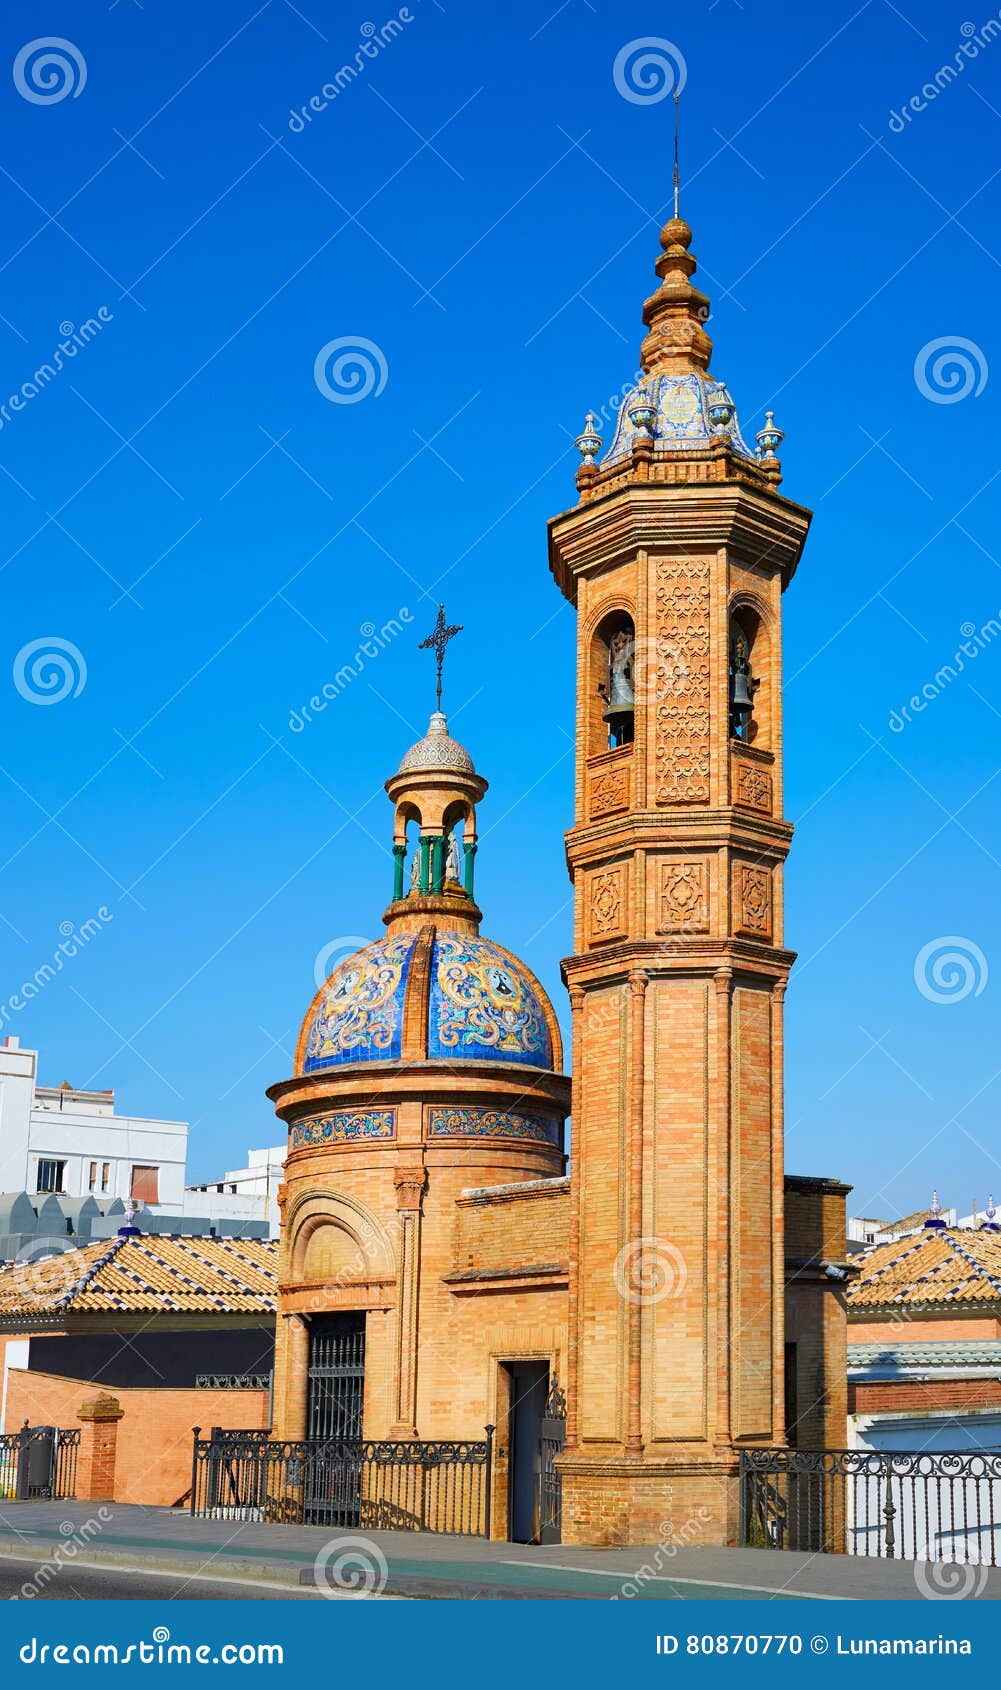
x: 144, y: 1274
x: 938, y: 1267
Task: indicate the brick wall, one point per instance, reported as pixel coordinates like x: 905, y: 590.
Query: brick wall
x: 906, y: 1396
x: 513, y: 1229
x: 154, y: 1437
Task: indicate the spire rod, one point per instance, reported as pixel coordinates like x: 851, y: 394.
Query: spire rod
x: 437, y: 640
x: 677, y: 125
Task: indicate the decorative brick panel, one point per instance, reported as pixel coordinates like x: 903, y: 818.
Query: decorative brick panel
x: 682, y: 723
x: 753, y: 787
x: 752, y: 897
x: 606, y: 904
x: 609, y: 790
x: 684, y: 897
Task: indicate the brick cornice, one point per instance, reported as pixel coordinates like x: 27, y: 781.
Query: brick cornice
x: 755, y: 525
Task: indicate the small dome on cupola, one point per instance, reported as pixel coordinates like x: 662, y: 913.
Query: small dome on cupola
x: 437, y: 750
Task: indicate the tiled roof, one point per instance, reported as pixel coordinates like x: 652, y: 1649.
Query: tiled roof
x: 908, y: 1223
x: 143, y: 1275
x: 953, y: 1353
x: 937, y: 1268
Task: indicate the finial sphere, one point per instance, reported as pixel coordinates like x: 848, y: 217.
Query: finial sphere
x: 675, y: 233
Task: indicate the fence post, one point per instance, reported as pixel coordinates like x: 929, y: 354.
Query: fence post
x: 888, y: 1514
x: 743, y: 1482
x: 23, y: 1447
x: 194, y: 1465
x: 488, y: 1482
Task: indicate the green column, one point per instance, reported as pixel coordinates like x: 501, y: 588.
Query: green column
x: 425, y: 874
x: 468, y: 853
x: 437, y: 863
x: 399, y: 857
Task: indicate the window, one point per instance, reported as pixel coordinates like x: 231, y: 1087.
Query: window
x: 105, y: 1171
x: 92, y: 1177
x: 50, y: 1175
x: 144, y: 1185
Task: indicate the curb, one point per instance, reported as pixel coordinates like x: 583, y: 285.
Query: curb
x: 260, y: 1572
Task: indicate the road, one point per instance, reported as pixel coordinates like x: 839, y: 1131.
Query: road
x: 107, y: 1584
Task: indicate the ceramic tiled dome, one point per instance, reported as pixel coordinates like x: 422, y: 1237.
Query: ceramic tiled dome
x: 483, y: 1005
x: 437, y: 750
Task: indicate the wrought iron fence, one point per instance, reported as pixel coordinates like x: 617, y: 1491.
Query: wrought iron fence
x: 440, y: 1486
x: 908, y: 1506
x: 38, y: 1463
x: 232, y: 1381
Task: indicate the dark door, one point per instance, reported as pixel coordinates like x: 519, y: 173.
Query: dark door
x: 336, y: 1381
x: 529, y: 1389
x: 332, y: 1462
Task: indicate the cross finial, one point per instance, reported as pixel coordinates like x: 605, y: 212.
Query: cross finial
x: 438, y: 640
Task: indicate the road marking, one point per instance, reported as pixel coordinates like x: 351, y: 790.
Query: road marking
x: 668, y: 1578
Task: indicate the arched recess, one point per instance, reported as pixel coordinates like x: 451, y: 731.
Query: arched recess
x: 610, y: 659
x: 752, y: 652
x: 459, y: 825
x: 332, y: 1239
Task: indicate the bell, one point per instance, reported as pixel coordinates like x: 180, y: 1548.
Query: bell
x: 620, y: 697
x: 742, y: 697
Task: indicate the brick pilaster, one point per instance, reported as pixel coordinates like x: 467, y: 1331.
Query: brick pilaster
x: 95, y: 1473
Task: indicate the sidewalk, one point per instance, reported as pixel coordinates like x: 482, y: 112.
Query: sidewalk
x: 117, y: 1535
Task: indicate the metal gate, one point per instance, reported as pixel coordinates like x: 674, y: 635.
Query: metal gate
x: 336, y: 1377
x: 552, y: 1437
x: 332, y: 1490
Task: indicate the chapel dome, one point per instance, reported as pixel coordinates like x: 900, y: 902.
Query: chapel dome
x: 437, y: 750
x: 476, y: 1001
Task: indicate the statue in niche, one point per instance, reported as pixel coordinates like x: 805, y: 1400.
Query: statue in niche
x: 415, y: 868
x: 453, y: 859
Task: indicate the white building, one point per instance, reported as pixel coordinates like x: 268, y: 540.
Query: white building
x: 246, y: 1194
x: 54, y: 1139
x: 58, y: 1142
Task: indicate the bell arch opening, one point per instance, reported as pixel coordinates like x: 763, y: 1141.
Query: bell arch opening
x: 611, y: 720
x: 750, y: 677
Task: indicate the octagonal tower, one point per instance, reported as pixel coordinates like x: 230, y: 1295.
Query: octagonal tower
x: 675, y: 558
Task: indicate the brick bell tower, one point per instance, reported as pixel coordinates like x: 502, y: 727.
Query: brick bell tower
x: 676, y: 557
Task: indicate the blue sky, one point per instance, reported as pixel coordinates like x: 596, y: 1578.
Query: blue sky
x: 184, y: 508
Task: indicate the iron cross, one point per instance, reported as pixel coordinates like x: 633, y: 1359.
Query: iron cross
x: 438, y: 640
